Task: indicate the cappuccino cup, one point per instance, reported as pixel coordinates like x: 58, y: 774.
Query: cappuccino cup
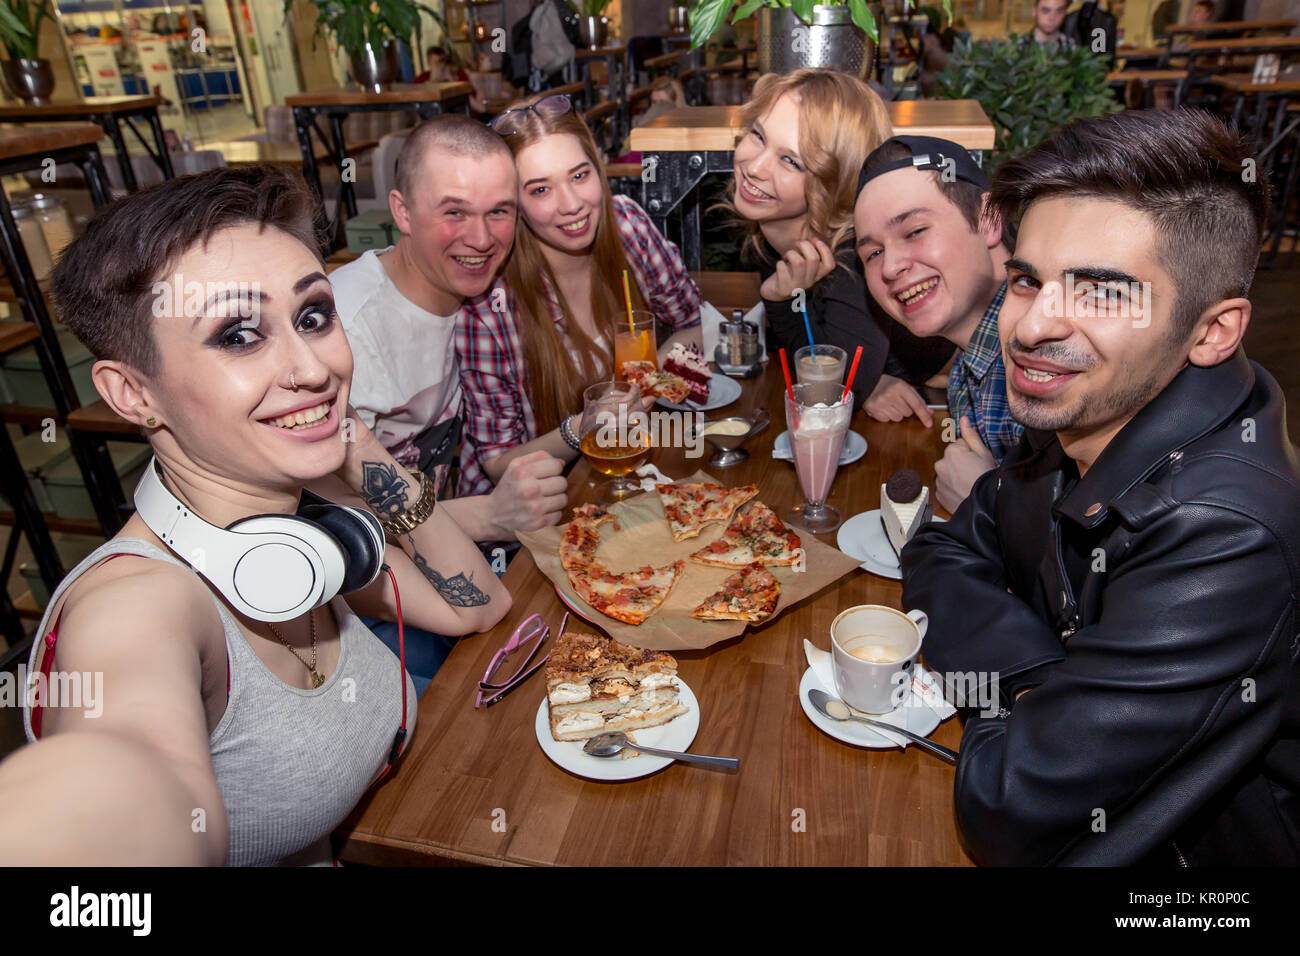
x: 874, y: 651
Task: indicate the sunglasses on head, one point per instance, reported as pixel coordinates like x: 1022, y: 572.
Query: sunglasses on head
x: 512, y: 121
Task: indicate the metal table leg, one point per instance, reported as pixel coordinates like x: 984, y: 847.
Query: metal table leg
x: 109, y: 122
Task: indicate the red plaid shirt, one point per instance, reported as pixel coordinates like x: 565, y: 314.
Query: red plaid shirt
x: 497, y: 412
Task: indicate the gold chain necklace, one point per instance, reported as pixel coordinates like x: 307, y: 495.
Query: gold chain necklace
x: 316, y: 678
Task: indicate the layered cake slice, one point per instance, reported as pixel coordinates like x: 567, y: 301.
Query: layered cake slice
x: 904, y: 507
x: 688, y: 363
x: 595, y: 685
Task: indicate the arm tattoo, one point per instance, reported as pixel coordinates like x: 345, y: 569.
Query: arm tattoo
x: 383, y: 487
x: 458, y: 591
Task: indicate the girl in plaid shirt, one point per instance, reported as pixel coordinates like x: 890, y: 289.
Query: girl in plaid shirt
x: 544, y: 331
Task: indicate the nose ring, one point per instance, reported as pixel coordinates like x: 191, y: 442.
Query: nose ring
x: 292, y: 384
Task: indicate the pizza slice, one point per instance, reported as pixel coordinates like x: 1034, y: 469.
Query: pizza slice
x: 651, y: 381
x: 580, y: 538
x: 690, y: 505
x: 748, y: 595
x: 631, y: 596
x: 755, y: 534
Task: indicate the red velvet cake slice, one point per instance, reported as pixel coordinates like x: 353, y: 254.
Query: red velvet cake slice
x: 688, y: 363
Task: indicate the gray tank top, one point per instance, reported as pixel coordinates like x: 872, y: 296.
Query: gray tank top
x: 291, y: 763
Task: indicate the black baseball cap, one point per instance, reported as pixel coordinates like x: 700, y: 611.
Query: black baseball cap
x: 928, y: 152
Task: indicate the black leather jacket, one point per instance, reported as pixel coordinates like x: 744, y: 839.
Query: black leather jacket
x: 1151, y: 607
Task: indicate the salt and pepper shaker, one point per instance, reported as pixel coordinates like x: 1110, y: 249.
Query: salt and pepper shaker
x: 738, y: 353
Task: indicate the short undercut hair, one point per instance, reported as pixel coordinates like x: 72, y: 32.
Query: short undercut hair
x: 453, y: 132
x: 103, y: 285
x: 1184, y: 169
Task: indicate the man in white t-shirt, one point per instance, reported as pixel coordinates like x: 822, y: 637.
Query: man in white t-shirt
x: 455, y: 203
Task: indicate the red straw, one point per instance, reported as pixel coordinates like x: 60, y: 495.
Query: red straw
x: 789, y: 390
x: 852, y: 371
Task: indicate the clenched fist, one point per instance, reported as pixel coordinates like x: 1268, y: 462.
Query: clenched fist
x: 530, y: 495
x: 807, y: 263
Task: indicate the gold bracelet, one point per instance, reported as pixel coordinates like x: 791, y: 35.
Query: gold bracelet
x: 404, y: 522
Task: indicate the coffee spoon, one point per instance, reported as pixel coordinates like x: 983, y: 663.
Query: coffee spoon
x: 607, y: 745
x: 836, y: 709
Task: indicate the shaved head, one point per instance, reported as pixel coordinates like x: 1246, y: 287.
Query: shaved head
x: 452, y: 132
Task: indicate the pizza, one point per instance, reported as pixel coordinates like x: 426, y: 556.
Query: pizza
x: 748, y: 595
x: 651, y: 381
x: 754, y: 535
x: 689, y: 506
x: 631, y: 596
x: 580, y: 539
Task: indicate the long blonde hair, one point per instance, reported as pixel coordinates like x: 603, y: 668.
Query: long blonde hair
x: 841, y: 120
x: 555, y: 383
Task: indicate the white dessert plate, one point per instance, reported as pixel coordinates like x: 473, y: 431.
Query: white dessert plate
x: 915, y: 715
x: 863, y: 537
x: 722, y: 391
x: 855, y: 446
x: 678, y: 734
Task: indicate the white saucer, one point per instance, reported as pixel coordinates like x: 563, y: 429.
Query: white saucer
x: 722, y: 391
x: 863, y: 537
x: 855, y: 446
x: 913, y: 715
x: 677, y: 734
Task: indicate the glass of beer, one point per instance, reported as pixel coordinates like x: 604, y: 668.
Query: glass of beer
x: 614, y: 439
x: 636, y: 344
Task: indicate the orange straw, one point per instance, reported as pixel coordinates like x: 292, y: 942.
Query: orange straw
x: 627, y: 297
x: 852, y: 371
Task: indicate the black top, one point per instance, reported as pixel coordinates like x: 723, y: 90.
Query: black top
x: 842, y: 312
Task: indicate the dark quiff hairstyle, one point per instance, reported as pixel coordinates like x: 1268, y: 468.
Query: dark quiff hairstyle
x: 1187, y: 171
x: 102, y: 287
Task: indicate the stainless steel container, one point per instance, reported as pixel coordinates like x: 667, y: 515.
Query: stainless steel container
x: 29, y: 80
x: 593, y: 31
x: 786, y: 43
x: 677, y: 18
x: 372, y: 68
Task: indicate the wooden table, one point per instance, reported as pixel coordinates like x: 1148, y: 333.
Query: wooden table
x: 476, y: 788
x: 109, y: 112
x: 1243, y: 86
x: 681, y: 147
x: 426, y: 99
x: 245, y: 152
x: 1240, y: 27
x: 21, y: 149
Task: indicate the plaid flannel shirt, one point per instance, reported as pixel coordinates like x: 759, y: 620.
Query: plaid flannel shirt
x: 496, y: 410
x: 977, y: 385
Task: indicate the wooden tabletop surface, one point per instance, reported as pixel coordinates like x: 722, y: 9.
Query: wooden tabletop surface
x: 716, y: 127
x: 397, y: 93
x: 1244, y: 45
x: 243, y: 152
x: 1146, y: 76
x: 1140, y: 52
x: 1239, y: 26
x: 475, y: 786
x: 587, y: 53
x: 1242, y: 83
x: 85, y: 106
x: 32, y: 140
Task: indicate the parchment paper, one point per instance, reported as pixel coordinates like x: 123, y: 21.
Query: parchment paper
x: 644, y: 539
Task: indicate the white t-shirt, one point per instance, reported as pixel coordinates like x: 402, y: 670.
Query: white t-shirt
x: 405, y: 377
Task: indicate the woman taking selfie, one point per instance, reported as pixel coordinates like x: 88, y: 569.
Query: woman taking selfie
x: 545, y: 330
x: 804, y: 137
x: 246, y: 709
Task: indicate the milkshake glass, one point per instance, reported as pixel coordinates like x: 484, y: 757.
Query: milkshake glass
x: 817, y: 421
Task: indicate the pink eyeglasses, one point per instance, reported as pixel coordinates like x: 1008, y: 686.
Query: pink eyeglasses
x: 529, y: 636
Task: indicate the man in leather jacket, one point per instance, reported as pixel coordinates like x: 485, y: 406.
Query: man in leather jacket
x: 1126, y: 581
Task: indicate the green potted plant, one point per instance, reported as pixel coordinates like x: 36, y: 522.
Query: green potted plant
x: 27, y: 75
x: 593, y: 25
x: 1027, y: 90
x: 840, y: 34
x: 368, y: 30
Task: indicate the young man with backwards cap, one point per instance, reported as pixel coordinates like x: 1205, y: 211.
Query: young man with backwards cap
x: 935, y: 259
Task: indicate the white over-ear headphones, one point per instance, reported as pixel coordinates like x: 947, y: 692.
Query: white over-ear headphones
x: 269, y: 567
